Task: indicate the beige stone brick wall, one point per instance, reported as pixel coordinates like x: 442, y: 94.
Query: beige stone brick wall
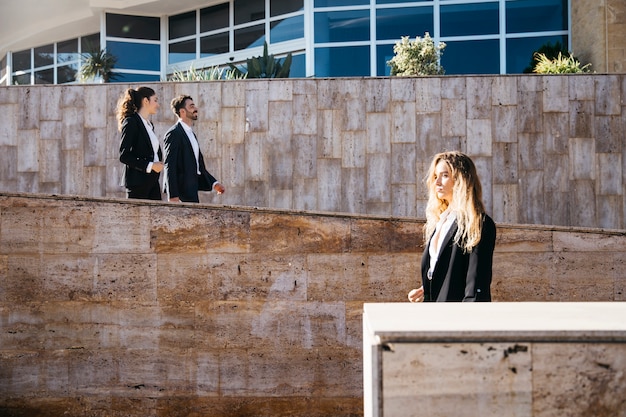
x: 548, y: 148
x: 599, y: 34
x: 110, y: 307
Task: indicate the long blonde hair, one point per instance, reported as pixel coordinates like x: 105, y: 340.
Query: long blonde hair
x: 466, y: 202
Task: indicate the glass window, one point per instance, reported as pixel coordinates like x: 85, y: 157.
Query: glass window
x: 182, y: 51
x: 21, y: 79
x: 333, y: 3
x: 409, y: 21
x: 44, y: 55
x: 123, y: 77
x: 536, y: 15
x: 66, y: 73
x: 398, y: 1
x: 287, y: 29
x: 137, y: 56
x: 344, y: 26
x: 470, y: 19
x: 298, y: 66
x: 349, y: 61
x: 472, y: 57
x: 90, y: 43
x: 182, y: 25
x: 249, y: 37
x: 44, y: 76
x: 21, y: 60
x: 249, y: 11
x: 213, y: 18
x: 67, y: 51
x: 133, y: 27
x: 519, y: 52
x: 3, y: 66
x: 384, y: 53
x: 214, y: 44
x: 278, y: 7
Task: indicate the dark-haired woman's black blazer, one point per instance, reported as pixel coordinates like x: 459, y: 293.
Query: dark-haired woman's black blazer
x: 136, y: 153
x: 461, y: 276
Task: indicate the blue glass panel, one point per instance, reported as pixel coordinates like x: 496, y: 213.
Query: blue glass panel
x: 353, y: 25
x: 215, y: 17
x: 333, y: 3
x: 347, y: 61
x: 398, y: 1
x: 287, y: 29
x: 3, y: 66
x: 536, y: 15
x: 408, y: 21
x: 67, y: 51
x: 472, y: 57
x: 278, y: 7
x: 66, y: 73
x: 249, y: 37
x: 214, y: 45
x: 298, y: 66
x: 519, y: 52
x: 182, y: 25
x: 21, y: 60
x: 248, y: 11
x: 133, y: 27
x: 470, y: 19
x: 182, y: 51
x: 384, y: 53
x: 90, y: 43
x: 122, y: 77
x: 44, y: 55
x: 137, y: 56
x: 21, y: 79
x: 44, y: 76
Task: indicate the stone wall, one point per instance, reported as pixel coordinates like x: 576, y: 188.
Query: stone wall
x: 111, y: 307
x: 549, y: 148
x: 598, y: 29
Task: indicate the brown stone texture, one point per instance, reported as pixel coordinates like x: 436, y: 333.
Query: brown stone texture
x: 112, y: 307
x: 549, y: 149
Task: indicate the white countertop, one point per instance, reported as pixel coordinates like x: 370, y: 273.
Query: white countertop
x: 511, y: 321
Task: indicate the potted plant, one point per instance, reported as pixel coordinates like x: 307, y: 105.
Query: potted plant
x: 96, y: 66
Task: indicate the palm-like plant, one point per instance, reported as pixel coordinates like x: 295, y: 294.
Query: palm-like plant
x: 265, y: 66
x: 96, y: 64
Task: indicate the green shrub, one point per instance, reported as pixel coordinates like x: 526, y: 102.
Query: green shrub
x: 207, y: 74
x: 418, y: 57
x: 560, y: 65
x: 265, y: 66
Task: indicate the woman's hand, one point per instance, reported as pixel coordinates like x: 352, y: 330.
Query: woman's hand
x: 157, y: 166
x: 416, y: 295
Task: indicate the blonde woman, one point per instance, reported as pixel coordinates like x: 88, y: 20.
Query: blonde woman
x: 459, y: 236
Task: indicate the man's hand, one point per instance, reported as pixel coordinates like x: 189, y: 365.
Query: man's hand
x: 219, y: 188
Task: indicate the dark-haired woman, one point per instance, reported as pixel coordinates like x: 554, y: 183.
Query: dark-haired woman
x: 140, y: 150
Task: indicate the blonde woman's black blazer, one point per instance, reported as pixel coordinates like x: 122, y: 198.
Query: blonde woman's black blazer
x: 460, y: 276
x: 136, y: 153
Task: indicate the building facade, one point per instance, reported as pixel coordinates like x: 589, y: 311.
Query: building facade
x: 327, y: 38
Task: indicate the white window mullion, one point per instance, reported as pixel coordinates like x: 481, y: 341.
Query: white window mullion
x: 502, y: 36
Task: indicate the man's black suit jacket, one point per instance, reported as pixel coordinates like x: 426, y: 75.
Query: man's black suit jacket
x: 181, y: 177
x: 136, y: 153
x: 460, y: 276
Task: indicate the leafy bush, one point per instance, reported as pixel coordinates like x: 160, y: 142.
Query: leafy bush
x: 207, y: 74
x: 559, y: 65
x: 96, y: 64
x: 265, y: 66
x: 548, y: 49
x: 418, y: 57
